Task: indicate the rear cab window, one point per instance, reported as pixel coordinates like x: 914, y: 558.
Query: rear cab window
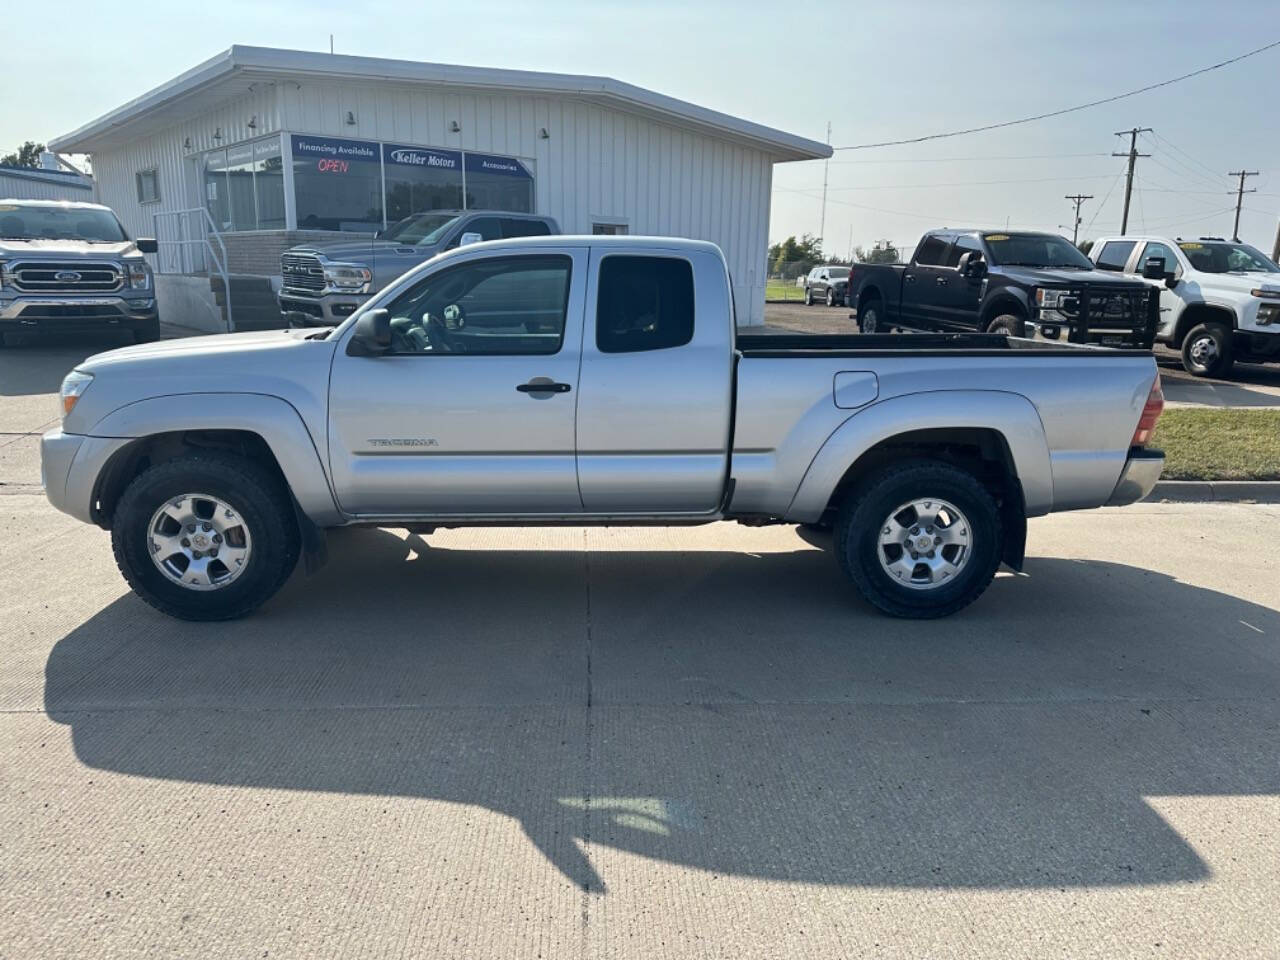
x: 931, y: 252
x: 644, y: 303
x: 1115, y: 254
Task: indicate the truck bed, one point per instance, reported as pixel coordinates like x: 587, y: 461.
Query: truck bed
x: 783, y: 345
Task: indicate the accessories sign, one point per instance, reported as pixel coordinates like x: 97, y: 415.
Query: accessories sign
x: 501, y: 166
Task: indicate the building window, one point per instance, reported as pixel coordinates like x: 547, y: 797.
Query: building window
x: 498, y: 183
x: 420, y: 179
x: 337, y: 184
x: 244, y: 186
x: 148, y: 186
x: 609, y: 229
x: 644, y: 303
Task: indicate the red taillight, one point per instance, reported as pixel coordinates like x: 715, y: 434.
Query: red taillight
x: 1150, y: 414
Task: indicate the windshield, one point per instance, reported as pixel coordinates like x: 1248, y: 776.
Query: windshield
x: 838, y: 273
x: 420, y: 228
x: 1226, y: 258
x: 59, y: 223
x: 1035, y: 250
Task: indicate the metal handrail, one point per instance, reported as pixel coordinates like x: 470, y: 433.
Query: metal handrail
x: 179, y: 246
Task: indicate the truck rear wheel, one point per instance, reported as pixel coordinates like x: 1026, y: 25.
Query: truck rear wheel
x: 209, y: 536
x: 920, y: 539
x: 1206, y: 350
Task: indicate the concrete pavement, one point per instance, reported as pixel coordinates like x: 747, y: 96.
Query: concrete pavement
x: 623, y: 743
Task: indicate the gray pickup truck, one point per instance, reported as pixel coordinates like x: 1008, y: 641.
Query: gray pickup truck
x: 323, y: 284
x: 72, y: 267
x: 589, y: 380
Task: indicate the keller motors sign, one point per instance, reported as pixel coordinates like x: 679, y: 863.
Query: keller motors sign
x: 405, y: 156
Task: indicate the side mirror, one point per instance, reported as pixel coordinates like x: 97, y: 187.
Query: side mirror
x: 1170, y: 281
x: 469, y: 238
x: 146, y: 244
x: 976, y: 267
x: 372, y: 335
x: 1153, y: 268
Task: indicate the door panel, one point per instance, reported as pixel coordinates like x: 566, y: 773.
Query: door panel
x: 437, y: 433
x: 654, y: 406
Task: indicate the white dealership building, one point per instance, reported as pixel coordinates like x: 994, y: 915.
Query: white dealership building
x: 258, y: 149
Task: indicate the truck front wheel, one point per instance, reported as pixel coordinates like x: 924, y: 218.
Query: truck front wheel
x: 869, y: 316
x: 1009, y: 325
x: 920, y: 539
x: 1206, y: 350
x: 210, y: 536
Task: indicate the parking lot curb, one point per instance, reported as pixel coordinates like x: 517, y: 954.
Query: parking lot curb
x: 1222, y: 491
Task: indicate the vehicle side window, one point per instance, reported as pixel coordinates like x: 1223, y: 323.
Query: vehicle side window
x: 644, y: 303
x: 1115, y: 254
x: 492, y: 307
x: 1162, y: 251
x: 512, y: 227
x: 487, y: 227
x: 932, y: 252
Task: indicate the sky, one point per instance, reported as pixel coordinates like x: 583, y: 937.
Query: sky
x: 876, y: 72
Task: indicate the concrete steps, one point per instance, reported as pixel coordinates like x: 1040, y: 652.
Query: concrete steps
x: 253, y: 302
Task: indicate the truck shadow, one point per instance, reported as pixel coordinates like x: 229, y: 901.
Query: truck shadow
x: 747, y: 714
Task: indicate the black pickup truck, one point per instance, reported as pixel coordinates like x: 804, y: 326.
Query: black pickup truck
x: 1033, y: 285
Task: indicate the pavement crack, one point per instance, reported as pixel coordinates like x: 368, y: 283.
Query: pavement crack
x: 589, y: 732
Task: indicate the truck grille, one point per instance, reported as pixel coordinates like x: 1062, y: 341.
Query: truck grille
x: 1123, y: 308
x: 31, y: 276
x: 301, y: 272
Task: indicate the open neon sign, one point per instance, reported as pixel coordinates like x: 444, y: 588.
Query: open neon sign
x: 330, y: 165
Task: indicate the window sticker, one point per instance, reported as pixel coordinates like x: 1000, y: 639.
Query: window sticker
x: 996, y: 237
x: 1191, y: 246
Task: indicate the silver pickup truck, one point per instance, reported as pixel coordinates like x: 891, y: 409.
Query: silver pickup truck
x: 589, y: 380
x: 71, y: 267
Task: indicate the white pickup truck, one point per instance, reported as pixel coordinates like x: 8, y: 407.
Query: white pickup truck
x: 1219, y: 299
x: 589, y: 380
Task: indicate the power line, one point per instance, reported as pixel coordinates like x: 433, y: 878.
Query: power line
x: 1029, y: 156
x: 1102, y: 205
x: 1168, y: 143
x: 923, y: 186
x: 1065, y: 110
x: 1185, y: 170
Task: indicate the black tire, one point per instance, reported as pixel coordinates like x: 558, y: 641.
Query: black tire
x: 147, y: 333
x: 252, y: 490
x: 808, y: 297
x: 1206, y: 350
x: 831, y: 297
x: 858, y: 528
x: 1009, y: 325
x: 869, y: 316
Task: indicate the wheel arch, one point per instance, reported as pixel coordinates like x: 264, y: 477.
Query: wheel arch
x: 1002, y: 303
x: 264, y: 429
x: 1198, y: 313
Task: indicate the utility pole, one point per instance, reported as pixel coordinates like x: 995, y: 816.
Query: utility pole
x: 1133, y: 155
x: 1077, y: 199
x: 1240, y: 192
x: 826, y: 165
x: 1275, y: 247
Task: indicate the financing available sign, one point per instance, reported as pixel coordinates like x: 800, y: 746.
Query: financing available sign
x: 331, y: 148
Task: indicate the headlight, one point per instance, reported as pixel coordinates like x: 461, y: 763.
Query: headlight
x: 1051, y: 299
x: 1, y: 274
x: 347, y: 276
x: 74, y: 384
x: 1260, y: 292
x: 138, y: 274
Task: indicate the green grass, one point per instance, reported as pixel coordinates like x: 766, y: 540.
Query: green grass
x: 782, y: 290
x: 1209, y: 444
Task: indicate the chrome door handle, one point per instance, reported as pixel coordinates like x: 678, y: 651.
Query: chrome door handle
x: 941, y: 281
x: 543, y: 386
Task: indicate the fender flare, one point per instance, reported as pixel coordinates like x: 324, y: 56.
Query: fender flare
x: 1011, y: 415
x: 275, y: 420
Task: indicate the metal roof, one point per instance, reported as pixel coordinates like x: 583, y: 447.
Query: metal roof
x: 230, y: 73
x: 63, y: 178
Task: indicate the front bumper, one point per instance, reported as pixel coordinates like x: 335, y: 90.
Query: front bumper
x: 77, y: 313
x: 1138, y: 478
x: 57, y: 452
x: 329, y: 310
x: 1056, y: 331
x: 70, y: 465
x: 1257, y: 346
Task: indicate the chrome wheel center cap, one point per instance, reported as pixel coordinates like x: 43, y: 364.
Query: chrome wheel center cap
x: 924, y: 544
x: 201, y: 541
